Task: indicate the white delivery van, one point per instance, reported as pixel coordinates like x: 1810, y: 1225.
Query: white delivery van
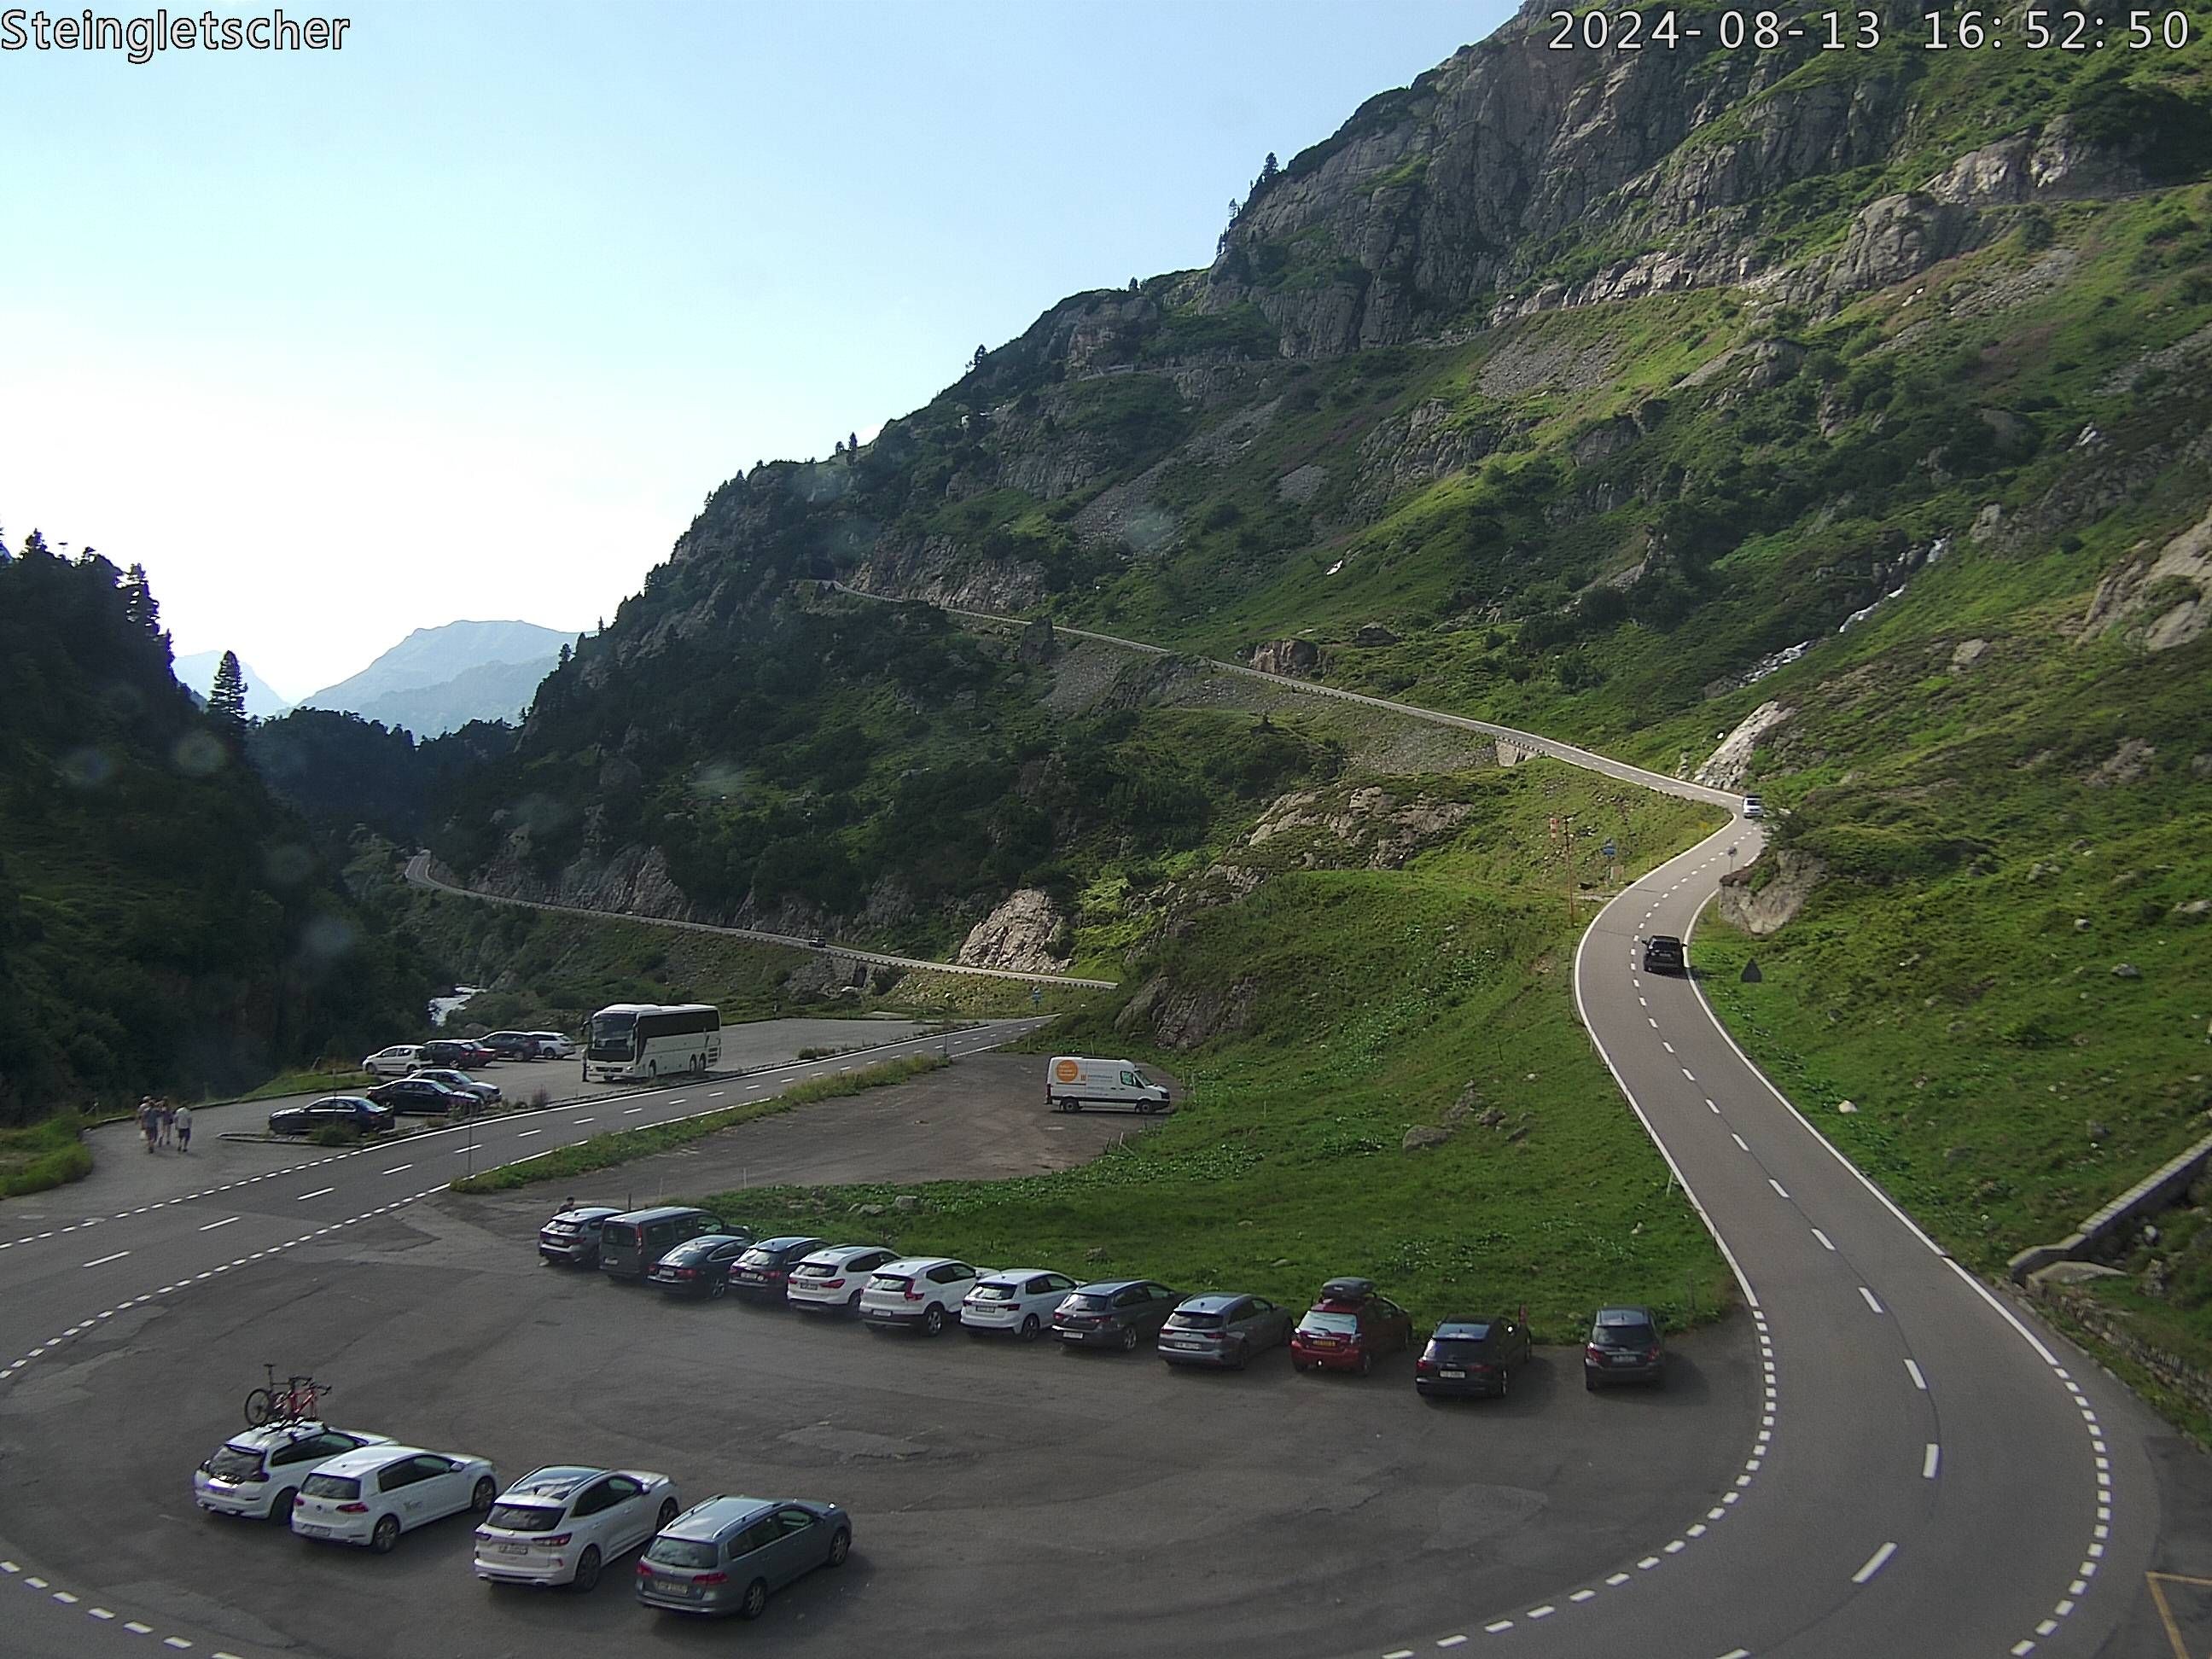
x: 1071, y: 1082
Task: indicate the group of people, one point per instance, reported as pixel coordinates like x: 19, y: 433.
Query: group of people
x: 164, y: 1124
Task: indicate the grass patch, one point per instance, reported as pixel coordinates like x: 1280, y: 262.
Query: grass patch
x: 1382, y: 1001
x: 311, y: 1082
x: 43, y: 1155
x: 604, y: 1152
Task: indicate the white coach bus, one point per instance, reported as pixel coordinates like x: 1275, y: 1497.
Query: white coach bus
x: 630, y: 1042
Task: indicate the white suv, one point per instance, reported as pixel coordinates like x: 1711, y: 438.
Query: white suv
x: 561, y: 1525
x: 1018, y: 1299
x: 552, y: 1045
x: 398, y: 1060
x: 258, y: 1472
x: 1753, y: 807
x: 916, y: 1292
x: 830, y: 1281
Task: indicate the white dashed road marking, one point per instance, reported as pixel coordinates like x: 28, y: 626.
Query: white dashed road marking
x: 317, y: 1192
x: 1918, y: 1381
x: 102, y: 1260
x: 212, y: 1225
x: 1875, y: 1562
x: 1825, y: 1243
x: 1870, y: 1302
x: 1929, y: 1460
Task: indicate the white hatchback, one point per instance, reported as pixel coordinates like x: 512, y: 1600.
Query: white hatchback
x: 1017, y: 1300
x: 371, y: 1496
x: 398, y: 1060
x: 830, y: 1281
x: 920, y: 1293
x: 561, y: 1525
x: 257, y: 1474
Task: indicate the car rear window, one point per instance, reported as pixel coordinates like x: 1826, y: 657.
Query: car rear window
x: 1461, y: 1333
x: 1330, y: 1324
x: 235, y: 1463
x: 813, y: 1270
x: 890, y: 1282
x: 523, y: 1518
x: 618, y: 1232
x: 1623, y: 1336
x: 331, y: 1486
x: 1086, y: 1305
x: 681, y: 1553
x: 993, y: 1293
x: 1197, y: 1322
x: 758, y: 1257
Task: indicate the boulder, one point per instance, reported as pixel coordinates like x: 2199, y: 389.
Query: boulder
x: 1039, y: 644
x: 1786, y: 879
x: 1296, y: 658
x: 1422, y: 1134
x: 1375, y: 634
x: 1728, y: 765
x: 1026, y: 933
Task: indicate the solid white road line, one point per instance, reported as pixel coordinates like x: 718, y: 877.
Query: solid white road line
x: 1870, y: 1302
x: 1875, y: 1562
x: 212, y: 1225
x: 1929, y: 1460
x: 101, y: 1262
x: 1918, y: 1381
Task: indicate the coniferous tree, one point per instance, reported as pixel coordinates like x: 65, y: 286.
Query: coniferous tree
x: 226, y: 696
x: 976, y: 361
x: 565, y: 655
x: 139, y: 601
x: 853, y: 443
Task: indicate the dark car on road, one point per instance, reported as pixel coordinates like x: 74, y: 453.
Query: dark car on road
x: 1348, y: 1328
x: 630, y: 1245
x: 423, y: 1095
x: 728, y: 1554
x: 762, y: 1272
x: 571, y: 1239
x: 519, y: 1045
x: 347, y: 1111
x: 1469, y: 1356
x: 1114, y: 1313
x: 1226, y: 1329
x: 700, y: 1266
x: 459, y: 1053
x: 1624, y: 1347
x: 1663, y: 954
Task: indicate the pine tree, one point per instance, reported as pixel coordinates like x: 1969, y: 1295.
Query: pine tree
x: 226, y: 697
x: 1269, y: 168
x: 35, y: 546
x: 976, y: 363
x: 139, y: 601
x: 565, y: 656
x: 853, y: 443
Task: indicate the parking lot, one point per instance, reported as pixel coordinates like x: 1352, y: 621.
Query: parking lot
x: 1006, y: 1499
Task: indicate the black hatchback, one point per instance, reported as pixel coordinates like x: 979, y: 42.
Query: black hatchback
x: 1624, y: 1347
x: 762, y: 1273
x: 1663, y: 954
x: 1466, y: 1356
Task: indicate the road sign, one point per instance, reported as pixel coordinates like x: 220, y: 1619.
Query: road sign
x: 1037, y: 995
x: 1751, y: 974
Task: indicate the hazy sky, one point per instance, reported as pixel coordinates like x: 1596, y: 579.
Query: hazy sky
x: 466, y: 319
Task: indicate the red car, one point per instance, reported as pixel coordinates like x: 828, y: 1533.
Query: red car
x: 1348, y: 1328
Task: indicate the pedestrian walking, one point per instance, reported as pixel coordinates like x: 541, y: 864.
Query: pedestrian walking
x: 148, y: 1125
x: 162, y: 1115
x: 183, y: 1121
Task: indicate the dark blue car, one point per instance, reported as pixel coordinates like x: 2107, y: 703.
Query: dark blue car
x: 348, y: 1111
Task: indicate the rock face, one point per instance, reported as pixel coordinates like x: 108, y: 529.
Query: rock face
x: 1727, y: 766
x: 2163, y: 600
x: 1368, y: 825
x: 1026, y: 933
x: 1183, y: 1017
x: 1787, y: 879
x: 1300, y: 658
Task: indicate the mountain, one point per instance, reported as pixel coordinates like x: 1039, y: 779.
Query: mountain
x: 438, y: 679
x: 196, y: 673
x: 1837, y: 424
x: 165, y: 924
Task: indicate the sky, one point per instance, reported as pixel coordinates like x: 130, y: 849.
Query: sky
x: 466, y: 319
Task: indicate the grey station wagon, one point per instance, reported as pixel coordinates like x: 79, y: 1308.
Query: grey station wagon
x: 728, y: 1554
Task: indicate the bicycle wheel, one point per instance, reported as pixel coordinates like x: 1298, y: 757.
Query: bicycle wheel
x: 261, y: 1405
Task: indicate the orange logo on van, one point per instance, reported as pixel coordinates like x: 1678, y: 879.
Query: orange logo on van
x: 1065, y: 1070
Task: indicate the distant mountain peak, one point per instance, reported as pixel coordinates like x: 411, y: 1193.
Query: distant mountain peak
x: 443, y: 676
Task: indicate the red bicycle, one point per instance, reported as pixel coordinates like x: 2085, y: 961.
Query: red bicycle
x: 298, y: 1400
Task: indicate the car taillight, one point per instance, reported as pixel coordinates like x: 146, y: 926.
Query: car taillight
x: 352, y: 1509
x: 912, y: 1294
x: 830, y: 1283
x: 710, y: 1579
x: 1425, y: 1364
x: 1652, y: 1356
x: 1593, y: 1352
x: 685, y: 1272
x: 558, y: 1540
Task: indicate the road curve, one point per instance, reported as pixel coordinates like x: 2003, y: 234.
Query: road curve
x: 419, y: 874
x: 1929, y: 1474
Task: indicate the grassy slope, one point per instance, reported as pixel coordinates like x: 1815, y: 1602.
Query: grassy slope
x: 1382, y: 996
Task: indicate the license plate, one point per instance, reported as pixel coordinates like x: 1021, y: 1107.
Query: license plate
x: 756, y: 1277
x: 1179, y: 1345
x: 515, y: 1549
x: 317, y: 1532
x: 1451, y: 1374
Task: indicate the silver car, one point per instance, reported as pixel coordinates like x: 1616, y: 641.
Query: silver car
x: 729, y: 1554
x: 1223, y: 1329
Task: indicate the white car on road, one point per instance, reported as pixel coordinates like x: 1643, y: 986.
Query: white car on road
x: 258, y: 1472
x: 920, y: 1292
x: 561, y: 1525
x: 1019, y: 1300
x: 552, y: 1045
x: 830, y: 1281
x: 371, y: 1496
x: 398, y: 1060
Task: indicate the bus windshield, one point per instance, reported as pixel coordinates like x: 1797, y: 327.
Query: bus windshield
x: 612, y: 1035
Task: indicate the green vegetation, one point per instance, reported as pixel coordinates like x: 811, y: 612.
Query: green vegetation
x: 1381, y: 999
x: 48, y: 1154
x: 165, y: 925
x: 314, y: 1081
x: 605, y: 1151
